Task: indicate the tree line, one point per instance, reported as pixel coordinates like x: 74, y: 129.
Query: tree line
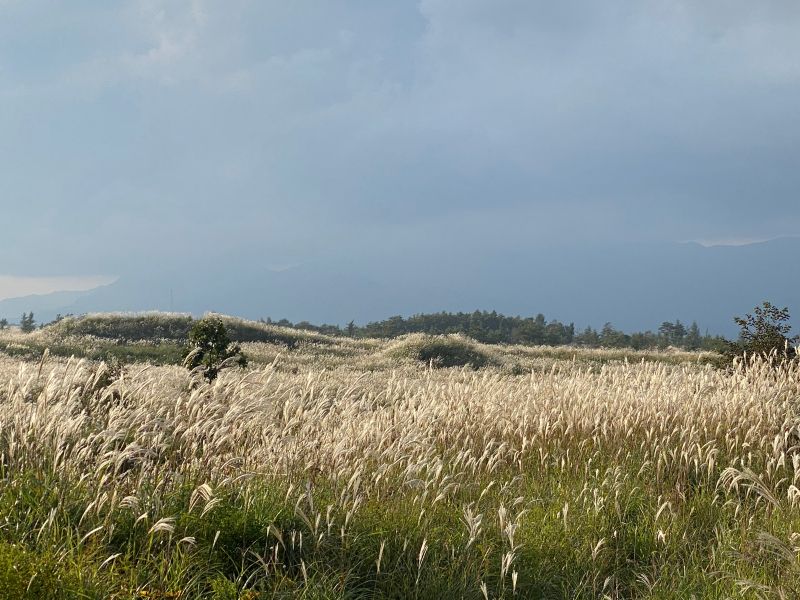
x: 27, y: 322
x: 495, y: 328
x: 766, y: 330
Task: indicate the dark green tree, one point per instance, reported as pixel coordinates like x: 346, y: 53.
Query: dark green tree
x: 672, y: 334
x: 693, y: 339
x: 3, y: 323
x: 351, y: 329
x: 613, y: 338
x: 666, y: 333
x: 27, y: 323
x: 588, y: 337
x: 678, y: 333
x: 210, y: 349
x: 764, y: 332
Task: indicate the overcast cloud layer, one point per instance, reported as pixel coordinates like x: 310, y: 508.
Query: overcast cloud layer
x: 131, y: 132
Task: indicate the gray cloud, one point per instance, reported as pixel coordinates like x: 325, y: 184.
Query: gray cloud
x: 293, y: 130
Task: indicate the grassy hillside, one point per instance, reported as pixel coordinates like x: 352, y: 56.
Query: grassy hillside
x: 158, y: 338
x: 175, y: 327
x: 353, y: 469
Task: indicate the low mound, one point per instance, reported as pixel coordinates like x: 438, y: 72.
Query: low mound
x: 176, y: 326
x: 128, y: 326
x: 441, y: 351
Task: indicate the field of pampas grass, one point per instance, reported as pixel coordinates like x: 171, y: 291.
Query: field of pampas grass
x: 353, y: 471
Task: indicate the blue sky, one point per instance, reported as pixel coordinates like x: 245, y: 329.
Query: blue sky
x: 133, y: 132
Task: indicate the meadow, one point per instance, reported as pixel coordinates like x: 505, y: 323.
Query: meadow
x: 422, y: 467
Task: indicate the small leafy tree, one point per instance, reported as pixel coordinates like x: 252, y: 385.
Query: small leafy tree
x: 3, y: 324
x: 210, y: 348
x: 764, y: 332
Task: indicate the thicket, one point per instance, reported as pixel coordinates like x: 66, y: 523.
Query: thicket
x: 441, y: 351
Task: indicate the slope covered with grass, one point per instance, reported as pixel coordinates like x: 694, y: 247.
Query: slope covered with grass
x: 325, y: 480
x: 159, y: 339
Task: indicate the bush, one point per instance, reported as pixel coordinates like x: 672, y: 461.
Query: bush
x: 210, y: 349
x: 441, y: 351
x: 764, y: 333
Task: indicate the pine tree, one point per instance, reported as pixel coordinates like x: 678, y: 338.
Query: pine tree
x: 27, y: 323
x: 693, y: 338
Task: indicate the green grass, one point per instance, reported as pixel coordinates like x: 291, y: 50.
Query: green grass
x: 156, y: 353
x: 43, y: 553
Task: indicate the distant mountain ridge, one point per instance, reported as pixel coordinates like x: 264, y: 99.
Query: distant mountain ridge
x: 47, y: 305
x: 634, y: 286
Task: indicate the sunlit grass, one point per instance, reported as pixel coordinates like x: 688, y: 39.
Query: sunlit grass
x: 351, y: 471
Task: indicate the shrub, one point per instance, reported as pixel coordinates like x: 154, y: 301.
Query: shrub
x: 441, y: 351
x: 210, y: 349
x: 764, y: 333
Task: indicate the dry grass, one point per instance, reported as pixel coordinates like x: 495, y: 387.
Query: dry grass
x: 337, y: 471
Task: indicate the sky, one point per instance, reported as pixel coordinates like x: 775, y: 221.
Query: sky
x: 143, y: 134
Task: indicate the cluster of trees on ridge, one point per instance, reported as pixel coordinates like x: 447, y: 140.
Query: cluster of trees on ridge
x: 27, y: 322
x: 209, y: 349
x: 767, y: 328
x: 494, y: 328
x: 765, y: 332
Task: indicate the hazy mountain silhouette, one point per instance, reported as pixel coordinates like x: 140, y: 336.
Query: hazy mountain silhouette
x: 44, y: 306
x: 635, y: 286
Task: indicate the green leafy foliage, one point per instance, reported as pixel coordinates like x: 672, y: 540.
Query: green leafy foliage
x: 765, y: 332
x: 210, y: 349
